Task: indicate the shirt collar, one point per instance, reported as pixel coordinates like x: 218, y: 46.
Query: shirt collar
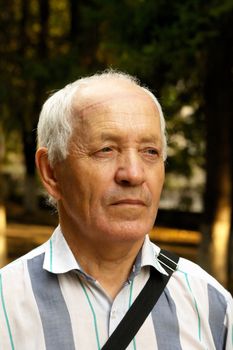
x: 58, y: 255
x: 149, y: 257
x: 60, y: 259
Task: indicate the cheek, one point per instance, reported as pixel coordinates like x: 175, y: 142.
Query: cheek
x: 157, y: 182
x: 74, y: 193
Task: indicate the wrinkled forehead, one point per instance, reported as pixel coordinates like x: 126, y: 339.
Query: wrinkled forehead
x: 100, y: 95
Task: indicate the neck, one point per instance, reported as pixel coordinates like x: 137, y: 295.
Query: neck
x: 110, y: 273
x: 109, y: 263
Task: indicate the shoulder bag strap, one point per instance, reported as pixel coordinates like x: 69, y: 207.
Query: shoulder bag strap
x: 143, y: 304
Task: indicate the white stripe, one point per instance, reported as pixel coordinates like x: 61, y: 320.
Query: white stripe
x: 22, y: 309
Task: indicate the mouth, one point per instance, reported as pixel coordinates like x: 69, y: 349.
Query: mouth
x: 129, y: 201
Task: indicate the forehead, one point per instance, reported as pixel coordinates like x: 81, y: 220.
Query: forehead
x: 120, y: 104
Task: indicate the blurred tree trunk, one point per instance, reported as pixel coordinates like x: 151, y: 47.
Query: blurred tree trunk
x: 2, y: 234
x: 30, y: 124
x: 24, y: 112
x: 230, y: 248
x: 230, y: 255
x: 2, y: 207
x: 74, y: 20
x: 29, y: 147
x: 218, y: 96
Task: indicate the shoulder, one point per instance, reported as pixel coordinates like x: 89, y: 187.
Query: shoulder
x: 212, y: 303
x: 205, y: 291
x: 197, y: 273
x: 15, y: 283
x: 16, y: 268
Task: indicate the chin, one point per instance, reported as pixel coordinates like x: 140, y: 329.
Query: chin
x: 126, y: 232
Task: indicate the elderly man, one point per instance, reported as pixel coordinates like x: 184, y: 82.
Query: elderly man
x: 101, y: 159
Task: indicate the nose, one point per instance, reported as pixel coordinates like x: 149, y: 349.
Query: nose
x: 130, y: 170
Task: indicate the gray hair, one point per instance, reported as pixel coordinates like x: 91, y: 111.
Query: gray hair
x: 55, y: 123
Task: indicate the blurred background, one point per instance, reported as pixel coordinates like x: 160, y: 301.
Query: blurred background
x: 183, y: 51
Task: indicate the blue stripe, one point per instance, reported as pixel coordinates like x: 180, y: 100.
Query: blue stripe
x: 166, y: 324
x: 52, y: 307
x: 5, y: 314
x: 217, y: 312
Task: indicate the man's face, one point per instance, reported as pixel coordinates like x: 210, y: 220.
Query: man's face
x: 110, y: 184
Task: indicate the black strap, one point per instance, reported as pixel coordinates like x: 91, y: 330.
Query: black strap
x: 143, y: 304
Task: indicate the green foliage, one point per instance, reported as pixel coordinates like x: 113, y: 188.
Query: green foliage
x: 164, y: 43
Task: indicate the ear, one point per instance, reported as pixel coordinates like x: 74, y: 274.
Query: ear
x: 47, y: 173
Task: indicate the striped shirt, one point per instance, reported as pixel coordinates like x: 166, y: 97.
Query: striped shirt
x: 48, y: 302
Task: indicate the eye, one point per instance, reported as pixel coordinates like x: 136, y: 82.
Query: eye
x: 104, y: 152
x: 151, y: 153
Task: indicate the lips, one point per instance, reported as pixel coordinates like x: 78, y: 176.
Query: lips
x: 129, y: 201
x: 130, y: 198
